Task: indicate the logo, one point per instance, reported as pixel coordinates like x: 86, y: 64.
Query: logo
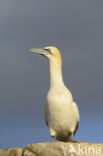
x: 84, y: 149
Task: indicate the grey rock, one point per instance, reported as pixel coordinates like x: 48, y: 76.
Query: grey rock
x: 56, y: 149
x: 11, y: 152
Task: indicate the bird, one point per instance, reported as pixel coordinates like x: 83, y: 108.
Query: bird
x: 61, y: 113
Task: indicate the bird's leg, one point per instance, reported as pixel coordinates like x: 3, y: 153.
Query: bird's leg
x: 53, y: 138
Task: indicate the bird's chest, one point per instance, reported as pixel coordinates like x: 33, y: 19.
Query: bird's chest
x: 58, y: 102
x: 58, y: 108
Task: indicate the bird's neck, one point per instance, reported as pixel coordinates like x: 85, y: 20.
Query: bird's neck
x: 56, y: 79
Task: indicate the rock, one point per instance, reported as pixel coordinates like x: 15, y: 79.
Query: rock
x: 56, y: 149
x: 11, y: 152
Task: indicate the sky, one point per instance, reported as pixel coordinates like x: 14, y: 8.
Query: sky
x: 76, y: 28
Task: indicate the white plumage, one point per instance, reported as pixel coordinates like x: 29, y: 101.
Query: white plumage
x: 61, y: 112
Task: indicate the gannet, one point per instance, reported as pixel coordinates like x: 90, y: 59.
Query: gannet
x: 60, y: 111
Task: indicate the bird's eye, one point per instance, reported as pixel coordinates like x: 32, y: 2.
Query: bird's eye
x: 48, y: 50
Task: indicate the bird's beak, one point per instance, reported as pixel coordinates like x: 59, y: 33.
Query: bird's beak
x: 39, y: 51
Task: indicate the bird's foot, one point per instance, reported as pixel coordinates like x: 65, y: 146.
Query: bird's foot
x: 73, y: 141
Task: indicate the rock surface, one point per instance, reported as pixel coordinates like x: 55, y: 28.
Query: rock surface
x: 56, y: 149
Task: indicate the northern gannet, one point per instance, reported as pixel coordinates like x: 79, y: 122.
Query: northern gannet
x: 60, y: 111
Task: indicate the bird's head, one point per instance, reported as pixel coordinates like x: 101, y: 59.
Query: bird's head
x: 52, y: 53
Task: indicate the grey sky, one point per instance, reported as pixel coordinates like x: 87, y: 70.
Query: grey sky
x: 76, y: 28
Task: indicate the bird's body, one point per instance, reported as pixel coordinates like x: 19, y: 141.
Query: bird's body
x: 60, y: 115
x: 61, y: 112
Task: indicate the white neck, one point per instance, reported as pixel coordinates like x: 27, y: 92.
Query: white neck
x: 56, y: 79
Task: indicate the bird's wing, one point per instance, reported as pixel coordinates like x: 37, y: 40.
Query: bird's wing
x: 76, y: 111
x: 45, y: 114
x: 77, y: 119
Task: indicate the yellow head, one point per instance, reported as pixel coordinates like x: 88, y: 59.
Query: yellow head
x: 52, y: 53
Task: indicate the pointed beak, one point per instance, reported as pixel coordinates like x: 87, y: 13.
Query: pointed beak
x: 39, y: 51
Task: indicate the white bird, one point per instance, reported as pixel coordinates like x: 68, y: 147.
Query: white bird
x: 60, y: 111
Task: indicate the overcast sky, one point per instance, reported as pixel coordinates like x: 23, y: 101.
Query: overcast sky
x: 76, y: 28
